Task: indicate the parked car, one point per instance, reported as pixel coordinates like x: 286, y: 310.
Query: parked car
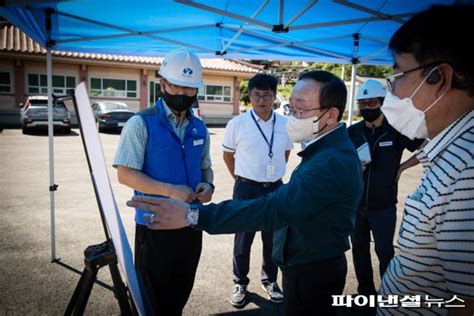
x: 196, y: 110
x: 111, y: 115
x: 279, y: 100
x: 283, y: 109
x: 280, y: 105
x: 34, y: 114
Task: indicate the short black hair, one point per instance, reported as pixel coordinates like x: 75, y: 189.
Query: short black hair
x: 263, y: 82
x: 432, y: 36
x: 333, y: 92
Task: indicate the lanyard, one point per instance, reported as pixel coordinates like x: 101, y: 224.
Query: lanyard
x: 270, y: 144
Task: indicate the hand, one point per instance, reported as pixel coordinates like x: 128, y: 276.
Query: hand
x: 204, y: 192
x: 182, y: 193
x: 364, y: 165
x: 169, y: 213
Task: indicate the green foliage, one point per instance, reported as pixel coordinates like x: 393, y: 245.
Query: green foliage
x: 336, y: 69
x: 286, y: 90
x: 297, y: 66
x: 244, y: 92
x: 374, y: 71
x: 362, y: 70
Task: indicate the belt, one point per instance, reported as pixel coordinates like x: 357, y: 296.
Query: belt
x: 260, y: 184
x: 323, y: 265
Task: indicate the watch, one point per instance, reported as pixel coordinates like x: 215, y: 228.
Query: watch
x: 212, y: 186
x: 192, y: 215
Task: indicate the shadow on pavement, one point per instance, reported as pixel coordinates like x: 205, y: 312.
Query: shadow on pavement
x: 265, y: 307
x: 111, y: 131
x: 44, y: 133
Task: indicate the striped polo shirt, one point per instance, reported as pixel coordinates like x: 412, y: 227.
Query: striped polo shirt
x: 436, y: 238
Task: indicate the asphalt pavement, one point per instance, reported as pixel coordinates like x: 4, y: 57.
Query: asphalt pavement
x: 31, y: 284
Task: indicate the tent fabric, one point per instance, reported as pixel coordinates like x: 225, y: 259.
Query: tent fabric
x: 243, y: 29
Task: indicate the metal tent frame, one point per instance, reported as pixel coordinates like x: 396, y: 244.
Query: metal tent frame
x: 39, y: 18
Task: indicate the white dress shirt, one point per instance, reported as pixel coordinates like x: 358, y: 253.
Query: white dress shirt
x: 243, y: 138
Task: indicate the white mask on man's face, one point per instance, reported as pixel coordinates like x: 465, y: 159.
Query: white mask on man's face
x: 303, y: 130
x: 404, y: 116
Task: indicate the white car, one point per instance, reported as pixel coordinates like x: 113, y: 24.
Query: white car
x: 196, y: 110
x: 280, y: 105
x: 34, y: 114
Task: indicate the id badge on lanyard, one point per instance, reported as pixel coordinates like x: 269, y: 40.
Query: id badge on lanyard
x: 270, y: 165
x: 270, y: 169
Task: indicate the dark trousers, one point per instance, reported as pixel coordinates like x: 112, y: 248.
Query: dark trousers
x: 166, y: 262
x: 308, y: 291
x: 382, y: 224
x: 243, y: 241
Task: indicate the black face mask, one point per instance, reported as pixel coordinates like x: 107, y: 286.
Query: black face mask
x: 370, y: 115
x: 179, y: 103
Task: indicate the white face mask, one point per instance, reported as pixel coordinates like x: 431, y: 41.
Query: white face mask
x: 404, y: 116
x: 302, y: 130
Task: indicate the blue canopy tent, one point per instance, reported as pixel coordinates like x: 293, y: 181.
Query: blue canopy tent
x: 267, y: 29
x: 340, y: 31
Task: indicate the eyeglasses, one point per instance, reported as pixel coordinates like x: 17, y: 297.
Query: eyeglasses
x: 265, y: 97
x: 174, y: 88
x: 290, y: 110
x: 391, y: 79
x: 368, y: 103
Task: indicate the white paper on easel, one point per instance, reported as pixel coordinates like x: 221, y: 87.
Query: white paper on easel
x: 106, y: 196
x: 364, y: 154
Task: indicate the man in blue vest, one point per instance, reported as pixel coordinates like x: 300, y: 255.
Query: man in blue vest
x: 312, y: 215
x: 164, y: 152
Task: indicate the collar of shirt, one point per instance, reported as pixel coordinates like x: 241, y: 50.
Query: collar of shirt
x: 447, y: 136
x: 383, y: 126
x: 307, y: 144
x: 260, y: 120
x: 329, y: 139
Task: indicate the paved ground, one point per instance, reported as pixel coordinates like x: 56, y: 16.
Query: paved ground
x: 30, y: 284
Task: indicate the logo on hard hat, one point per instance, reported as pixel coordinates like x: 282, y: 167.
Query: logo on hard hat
x: 188, y: 72
x: 366, y: 91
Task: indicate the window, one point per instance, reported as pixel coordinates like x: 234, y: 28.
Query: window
x: 215, y: 93
x: 44, y: 103
x: 155, y: 92
x: 5, y: 82
x: 37, y: 84
x: 116, y: 88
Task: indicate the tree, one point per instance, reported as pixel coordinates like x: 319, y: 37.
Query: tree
x: 336, y: 69
x: 244, y: 92
x: 374, y: 71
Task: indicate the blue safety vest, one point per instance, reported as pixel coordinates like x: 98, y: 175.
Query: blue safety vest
x: 166, y: 158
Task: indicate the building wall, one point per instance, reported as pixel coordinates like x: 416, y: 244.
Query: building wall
x: 9, y: 102
x: 116, y: 73
x: 218, y: 109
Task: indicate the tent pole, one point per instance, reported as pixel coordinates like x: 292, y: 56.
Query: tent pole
x: 52, y: 186
x: 351, y: 105
x: 355, y: 61
x: 342, y: 71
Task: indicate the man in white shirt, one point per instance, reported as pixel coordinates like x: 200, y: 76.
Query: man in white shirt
x: 256, y: 148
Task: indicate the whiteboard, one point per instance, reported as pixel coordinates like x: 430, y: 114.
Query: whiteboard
x: 105, y: 194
